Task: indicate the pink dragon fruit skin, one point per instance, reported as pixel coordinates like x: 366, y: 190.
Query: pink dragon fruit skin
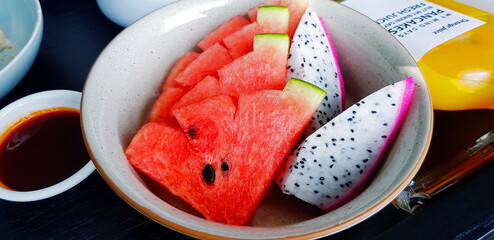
x: 312, y: 58
x: 332, y: 165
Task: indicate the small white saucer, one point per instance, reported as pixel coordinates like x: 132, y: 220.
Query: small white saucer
x: 26, y: 105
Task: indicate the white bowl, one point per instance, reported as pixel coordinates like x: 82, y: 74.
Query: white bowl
x: 126, y: 12
x: 23, y: 107
x: 22, y: 23
x: 126, y: 80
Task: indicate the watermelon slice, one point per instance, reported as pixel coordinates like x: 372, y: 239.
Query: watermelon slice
x: 179, y: 67
x: 203, y: 130
x: 272, y: 19
x: 267, y: 66
x: 206, y: 64
x: 208, y: 87
x: 227, y: 184
x: 253, y: 11
x: 161, y: 111
x: 229, y: 27
x: 296, y: 7
x: 297, y: 10
x: 240, y: 42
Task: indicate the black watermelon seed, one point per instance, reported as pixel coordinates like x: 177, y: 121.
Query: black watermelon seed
x: 335, y: 178
x: 192, y: 132
x: 225, y: 167
x: 208, y: 174
x: 321, y: 178
x: 296, y: 185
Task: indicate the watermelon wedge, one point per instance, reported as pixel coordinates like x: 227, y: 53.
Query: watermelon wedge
x: 161, y: 111
x: 296, y: 7
x: 267, y: 66
x: 207, y: 88
x: 179, y: 67
x: 205, y: 64
x: 253, y: 11
x: 272, y: 19
x: 228, y: 180
x: 227, y: 28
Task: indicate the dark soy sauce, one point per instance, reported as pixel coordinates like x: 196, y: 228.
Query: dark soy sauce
x: 42, y: 149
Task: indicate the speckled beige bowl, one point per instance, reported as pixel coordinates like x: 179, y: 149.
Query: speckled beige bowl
x: 125, y: 81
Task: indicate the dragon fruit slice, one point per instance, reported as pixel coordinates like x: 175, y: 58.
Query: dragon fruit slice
x: 330, y: 167
x: 313, y: 59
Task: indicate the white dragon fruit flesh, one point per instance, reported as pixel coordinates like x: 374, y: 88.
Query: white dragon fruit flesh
x: 313, y: 59
x: 330, y: 167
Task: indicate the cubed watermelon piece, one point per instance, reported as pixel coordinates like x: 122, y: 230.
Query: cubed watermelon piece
x: 161, y: 111
x: 206, y: 64
x: 179, y: 67
x: 272, y: 19
x: 229, y: 27
x: 228, y: 184
x: 266, y: 66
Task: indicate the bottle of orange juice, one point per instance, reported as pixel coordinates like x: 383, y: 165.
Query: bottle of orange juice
x: 452, y: 42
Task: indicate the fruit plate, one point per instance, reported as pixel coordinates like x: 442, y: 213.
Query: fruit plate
x: 126, y: 79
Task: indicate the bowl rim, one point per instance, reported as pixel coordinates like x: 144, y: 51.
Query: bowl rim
x: 311, y: 235
x: 38, y: 29
x: 66, y: 184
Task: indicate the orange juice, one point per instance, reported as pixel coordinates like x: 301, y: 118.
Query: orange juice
x: 459, y: 69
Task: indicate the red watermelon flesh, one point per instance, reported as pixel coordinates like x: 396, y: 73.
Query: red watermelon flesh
x: 161, y: 111
x: 179, y: 67
x: 240, y: 42
x: 297, y: 10
x: 206, y: 64
x: 204, y: 131
x: 227, y: 28
x: 264, y: 129
x: 267, y: 67
x: 272, y: 19
x: 208, y: 87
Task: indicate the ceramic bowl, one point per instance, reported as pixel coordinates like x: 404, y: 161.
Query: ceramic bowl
x: 22, y: 23
x: 125, y: 81
x: 23, y: 107
x: 126, y: 12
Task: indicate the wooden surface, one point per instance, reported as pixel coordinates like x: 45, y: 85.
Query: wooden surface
x: 74, y: 35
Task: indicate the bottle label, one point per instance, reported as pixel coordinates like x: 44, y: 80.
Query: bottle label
x: 484, y: 5
x: 418, y: 25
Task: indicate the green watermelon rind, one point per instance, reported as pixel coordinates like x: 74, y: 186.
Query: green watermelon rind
x: 271, y: 40
x: 280, y: 14
x: 313, y: 93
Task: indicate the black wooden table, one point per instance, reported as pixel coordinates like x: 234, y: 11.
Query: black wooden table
x: 76, y: 32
